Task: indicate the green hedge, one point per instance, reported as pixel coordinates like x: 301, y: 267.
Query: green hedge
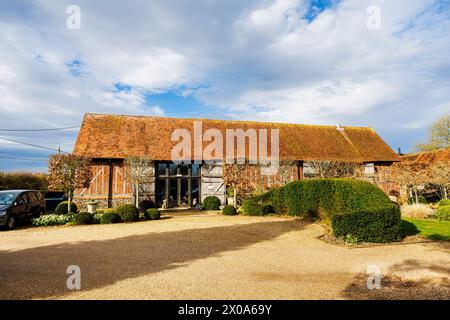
x: 326, y: 198
x: 253, y: 207
x: 373, y: 225
x: 63, y: 206
x: 109, y: 217
x: 128, y: 213
x: 83, y: 218
x: 211, y: 203
x: 442, y: 213
x: 229, y: 211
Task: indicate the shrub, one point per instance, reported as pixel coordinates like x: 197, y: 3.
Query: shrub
x: 443, y: 213
x: 444, y: 202
x: 109, y: 210
x: 83, y: 218
x: 252, y: 207
x: 128, y: 213
x: 153, y: 214
x: 375, y: 225
x: 229, y: 211
x: 96, y: 217
x: 211, y: 203
x: 109, y: 217
x: 62, y: 208
x: 326, y: 198
x: 417, y: 211
x: 144, y: 205
x: 50, y: 220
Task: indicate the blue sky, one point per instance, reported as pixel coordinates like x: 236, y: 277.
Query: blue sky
x: 299, y: 61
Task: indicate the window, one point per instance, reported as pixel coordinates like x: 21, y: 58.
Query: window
x: 162, y: 167
x: 173, y: 169
x: 369, y: 169
x: 195, y: 170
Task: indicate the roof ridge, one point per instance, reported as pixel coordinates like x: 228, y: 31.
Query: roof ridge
x: 232, y: 120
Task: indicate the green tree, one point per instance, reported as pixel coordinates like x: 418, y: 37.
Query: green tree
x: 438, y: 135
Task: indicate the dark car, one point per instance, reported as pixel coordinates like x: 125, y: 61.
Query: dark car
x: 20, y: 205
x: 53, y: 198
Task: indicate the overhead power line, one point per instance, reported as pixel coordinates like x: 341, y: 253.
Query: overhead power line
x: 23, y: 159
x: 38, y: 130
x: 31, y: 144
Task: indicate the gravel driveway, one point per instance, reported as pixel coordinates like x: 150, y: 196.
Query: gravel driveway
x: 213, y: 257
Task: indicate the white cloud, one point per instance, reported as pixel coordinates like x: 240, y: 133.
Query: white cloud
x: 256, y: 59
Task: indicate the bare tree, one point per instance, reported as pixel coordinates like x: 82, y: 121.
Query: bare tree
x: 440, y: 176
x: 140, y: 170
x: 334, y: 169
x: 411, y: 175
x: 438, y: 135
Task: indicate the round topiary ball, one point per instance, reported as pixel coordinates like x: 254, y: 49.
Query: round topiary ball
x: 128, y: 213
x: 211, y: 203
x: 62, y: 208
x: 144, y: 205
x: 229, y: 211
x: 83, y: 218
x: 109, y: 217
x: 153, y: 214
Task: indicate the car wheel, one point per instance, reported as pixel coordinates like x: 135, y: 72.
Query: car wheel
x: 11, y: 223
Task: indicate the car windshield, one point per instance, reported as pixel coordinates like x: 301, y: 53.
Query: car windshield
x: 7, y: 198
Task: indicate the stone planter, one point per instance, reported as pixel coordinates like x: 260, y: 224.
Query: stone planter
x: 92, y: 207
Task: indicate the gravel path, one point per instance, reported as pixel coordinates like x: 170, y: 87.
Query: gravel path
x: 213, y: 257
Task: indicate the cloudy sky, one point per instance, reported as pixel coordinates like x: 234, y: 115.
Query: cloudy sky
x: 301, y: 61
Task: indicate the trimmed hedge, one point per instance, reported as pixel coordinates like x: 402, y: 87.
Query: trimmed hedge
x: 442, y: 213
x: 83, y: 218
x: 326, y: 198
x: 63, y: 206
x: 375, y: 225
x: 153, y: 214
x: 109, y: 217
x: 128, y: 213
x: 144, y: 205
x: 252, y: 207
x: 229, y: 211
x: 211, y: 203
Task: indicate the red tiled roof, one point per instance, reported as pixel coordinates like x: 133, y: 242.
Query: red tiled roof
x: 428, y: 157
x: 118, y: 136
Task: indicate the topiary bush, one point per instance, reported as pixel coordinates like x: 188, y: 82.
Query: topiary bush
x: 96, y: 217
x: 128, y: 213
x: 444, y: 202
x: 153, y: 214
x: 63, y: 206
x: 83, y: 218
x: 211, y: 203
x: 109, y: 217
x: 229, y: 211
x: 326, y: 198
x: 144, y: 205
x: 442, y: 213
